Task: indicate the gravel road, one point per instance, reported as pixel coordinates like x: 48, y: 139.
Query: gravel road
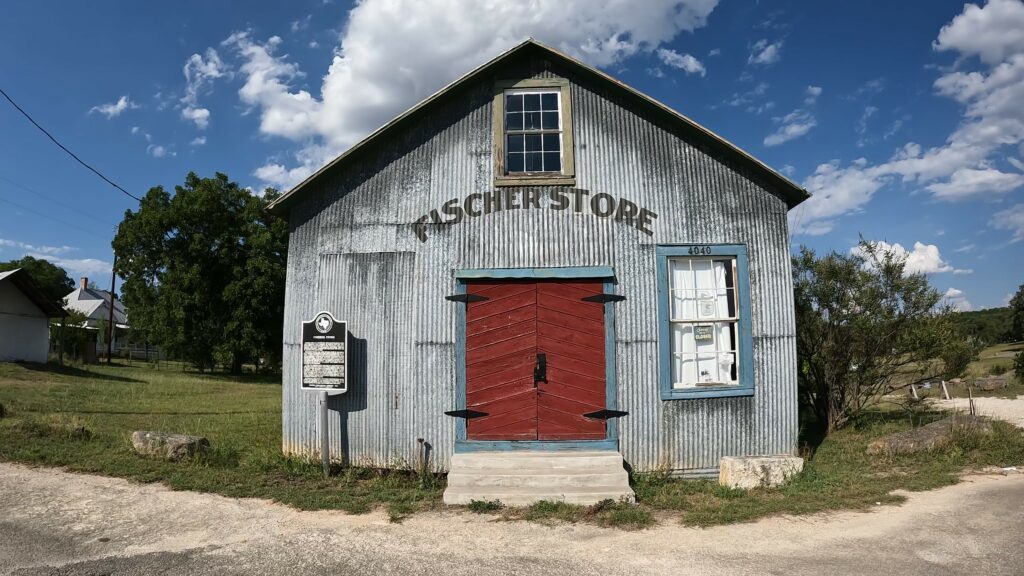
x: 54, y: 522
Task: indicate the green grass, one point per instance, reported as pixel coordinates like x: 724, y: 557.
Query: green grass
x: 82, y: 419
x: 839, y: 476
x: 241, y: 417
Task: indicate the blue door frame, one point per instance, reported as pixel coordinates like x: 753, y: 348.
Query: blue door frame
x: 611, y: 441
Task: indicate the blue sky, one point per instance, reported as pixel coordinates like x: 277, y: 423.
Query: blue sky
x: 904, y: 118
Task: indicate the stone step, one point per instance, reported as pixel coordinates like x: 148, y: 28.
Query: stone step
x: 519, y: 496
x: 539, y: 479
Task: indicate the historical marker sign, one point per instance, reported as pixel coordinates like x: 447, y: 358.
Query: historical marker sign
x: 325, y: 354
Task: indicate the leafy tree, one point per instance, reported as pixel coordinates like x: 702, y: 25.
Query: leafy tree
x: 204, y: 272
x: 865, y: 328
x: 990, y: 326
x: 1017, y: 315
x: 1018, y: 366
x: 52, y: 280
x: 71, y: 332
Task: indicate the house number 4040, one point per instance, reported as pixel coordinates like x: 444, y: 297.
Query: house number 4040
x: 700, y: 251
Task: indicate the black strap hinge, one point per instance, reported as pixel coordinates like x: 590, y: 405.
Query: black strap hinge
x: 606, y: 414
x: 467, y: 414
x: 467, y: 298
x: 602, y: 298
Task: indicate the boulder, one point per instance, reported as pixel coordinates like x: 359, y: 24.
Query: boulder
x: 168, y: 445
x: 930, y: 436
x: 992, y: 383
x: 757, y: 471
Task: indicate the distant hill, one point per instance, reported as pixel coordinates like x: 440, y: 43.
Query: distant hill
x: 991, y: 325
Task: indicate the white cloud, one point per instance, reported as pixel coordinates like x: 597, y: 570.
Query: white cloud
x: 960, y: 271
x: 201, y: 116
x: 955, y: 298
x: 993, y: 119
x: 749, y: 97
x: 198, y: 141
x: 389, y: 57
x: 1011, y: 219
x: 684, y: 62
x: 765, y: 53
x: 965, y: 248
x: 299, y: 25
x: 992, y: 33
x: 49, y: 250
x: 714, y: 52
x: 200, y: 72
x: 1016, y: 163
x: 792, y: 126
x: 115, y: 109
x: 835, y: 191
x: 157, y: 151
x: 77, y: 266
x: 970, y: 183
x: 812, y: 93
x: 924, y: 259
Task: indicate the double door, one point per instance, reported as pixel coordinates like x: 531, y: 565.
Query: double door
x: 535, y: 359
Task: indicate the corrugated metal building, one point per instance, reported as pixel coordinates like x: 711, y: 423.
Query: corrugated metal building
x: 480, y: 245
x: 25, y: 314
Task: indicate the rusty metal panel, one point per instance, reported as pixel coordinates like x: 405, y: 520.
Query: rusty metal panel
x: 353, y: 251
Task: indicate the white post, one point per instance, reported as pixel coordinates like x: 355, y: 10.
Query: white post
x: 325, y: 444
x: 913, y: 391
x: 945, y: 391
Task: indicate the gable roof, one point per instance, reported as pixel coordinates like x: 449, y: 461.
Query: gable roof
x: 22, y: 281
x: 88, y: 301
x: 791, y: 193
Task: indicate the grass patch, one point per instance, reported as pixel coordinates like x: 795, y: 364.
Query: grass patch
x: 48, y: 409
x: 484, y: 506
x: 839, y: 476
x: 84, y: 422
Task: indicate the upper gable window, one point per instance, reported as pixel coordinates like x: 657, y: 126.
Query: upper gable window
x: 533, y: 133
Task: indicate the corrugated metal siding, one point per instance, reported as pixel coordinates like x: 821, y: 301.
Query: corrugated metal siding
x: 353, y: 252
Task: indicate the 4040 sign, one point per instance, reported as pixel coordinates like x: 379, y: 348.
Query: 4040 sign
x: 325, y: 354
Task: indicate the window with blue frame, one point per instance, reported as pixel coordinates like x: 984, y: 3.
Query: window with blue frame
x: 704, y: 315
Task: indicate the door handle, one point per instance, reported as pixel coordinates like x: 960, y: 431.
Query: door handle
x: 540, y: 370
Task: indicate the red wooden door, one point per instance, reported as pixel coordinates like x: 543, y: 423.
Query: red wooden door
x: 505, y: 333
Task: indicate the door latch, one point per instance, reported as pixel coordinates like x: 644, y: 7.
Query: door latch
x: 540, y: 370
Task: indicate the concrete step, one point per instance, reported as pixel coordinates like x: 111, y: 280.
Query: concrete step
x: 526, y: 496
x: 523, y: 478
x: 538, y: 459
x: 539, y: 480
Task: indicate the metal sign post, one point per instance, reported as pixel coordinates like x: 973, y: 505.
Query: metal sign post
x: 324, y: 369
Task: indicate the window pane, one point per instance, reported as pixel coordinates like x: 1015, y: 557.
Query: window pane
x: 531, y: 121
x: 549, y: 101
x: 514, y: 121
x: 531, y: 102
x: 552, y: 162
x: 533, y: 162
x: 549, y: 120
x: 515, y: 162
x: 515, y: 142
x: 552, y: 143
x: 707, y: 368
x: 533, y: 142
x: 684, y: 371
x: 514, y: 103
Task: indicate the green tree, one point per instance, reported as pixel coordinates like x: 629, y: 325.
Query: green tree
x: 51, y: 279
x: 1017, y: 315
x: 865, y: 328
x: 204, y: 272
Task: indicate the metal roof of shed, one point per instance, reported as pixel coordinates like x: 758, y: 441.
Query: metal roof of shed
x: 22, y: 281
x: 791, y: 193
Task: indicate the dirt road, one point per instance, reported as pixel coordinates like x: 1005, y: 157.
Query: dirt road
x: 53, y: 522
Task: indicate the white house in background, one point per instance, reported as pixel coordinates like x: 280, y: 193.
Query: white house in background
x: 24, y: 318
x: 95, y: 304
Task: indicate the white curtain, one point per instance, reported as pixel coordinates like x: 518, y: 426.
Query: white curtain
x: 702, y: 352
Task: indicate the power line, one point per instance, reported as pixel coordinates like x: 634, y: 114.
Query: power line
x: 54, y: 218
x: 75, y: 209
x: 64, y: 148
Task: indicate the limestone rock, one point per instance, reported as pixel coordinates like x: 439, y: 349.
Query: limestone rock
x: 757, y: 471
x: 930, y: 436
x: 168, y: 445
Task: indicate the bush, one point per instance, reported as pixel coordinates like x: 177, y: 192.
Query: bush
x: 998, y: 369
x: 1018, y: 366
